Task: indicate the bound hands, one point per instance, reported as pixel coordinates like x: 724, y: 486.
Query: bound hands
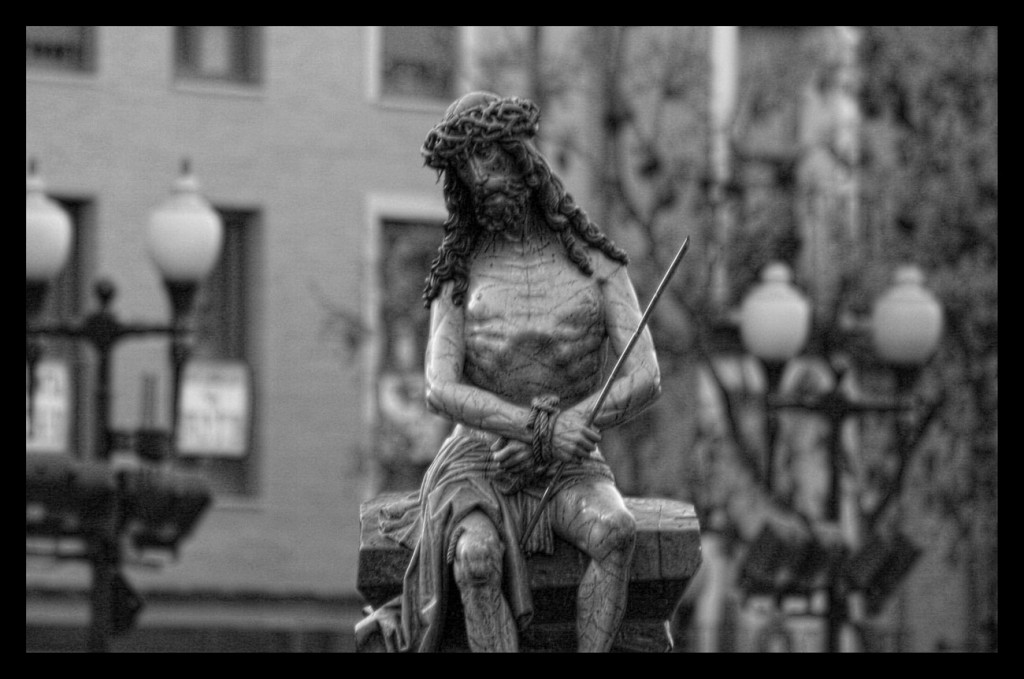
x: 572, y: 439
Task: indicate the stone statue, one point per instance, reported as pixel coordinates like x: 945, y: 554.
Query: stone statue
x: 530, y: 303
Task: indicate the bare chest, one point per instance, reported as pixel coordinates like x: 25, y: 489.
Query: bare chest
x: 534, y: 325
x: 540, y: 293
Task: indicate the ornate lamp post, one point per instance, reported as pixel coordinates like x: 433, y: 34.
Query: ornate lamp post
x: 47, y: 244
x: 156, y: 506
x: 775, y: 322
x: 185, y: 239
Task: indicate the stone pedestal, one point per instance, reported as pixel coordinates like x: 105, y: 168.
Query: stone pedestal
x: 667, y: 555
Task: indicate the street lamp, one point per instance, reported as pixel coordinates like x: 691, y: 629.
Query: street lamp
x: 47, y: 240
x: 906, y: 324
x: 905, y: 327
x: 47, y: 244
x: 154, y: 505
x: 775, y: 319
x: 185, y: 239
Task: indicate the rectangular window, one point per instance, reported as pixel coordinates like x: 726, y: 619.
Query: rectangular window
x: 406, y: 435
x: 419, y: 61
x: 222, y: 304
x: 225, y: 53
x: 221, y: 329
x: 67, y: 301
x: 62, y: 48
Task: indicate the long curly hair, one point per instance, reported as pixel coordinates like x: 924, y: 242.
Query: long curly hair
x: 510, y: 123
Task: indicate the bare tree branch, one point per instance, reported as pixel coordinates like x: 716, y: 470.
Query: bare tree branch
x: 906, y: 446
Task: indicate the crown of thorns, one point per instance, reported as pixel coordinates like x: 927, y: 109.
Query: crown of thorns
x: 498, y: 119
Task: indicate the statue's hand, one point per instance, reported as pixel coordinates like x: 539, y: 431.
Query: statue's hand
x: 511, y: 455
x: 573, y: 437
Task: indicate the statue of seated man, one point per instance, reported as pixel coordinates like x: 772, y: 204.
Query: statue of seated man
x: 530, y: 304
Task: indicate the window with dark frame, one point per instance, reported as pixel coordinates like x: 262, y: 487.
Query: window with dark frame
x: 221, y: 307
x: 218, y: 53
x: 407, y: 435
x: 68, y: 299
x: 221, y: 322
x: 60, y: 48
x: 419, y: 61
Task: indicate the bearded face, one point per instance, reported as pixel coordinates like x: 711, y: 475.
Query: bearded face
x: 492, y: 189
x: 498, y: 193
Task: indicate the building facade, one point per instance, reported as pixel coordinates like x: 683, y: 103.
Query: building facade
x: 306, y: 140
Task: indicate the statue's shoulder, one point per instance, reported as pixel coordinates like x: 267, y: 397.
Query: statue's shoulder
x: 444, y: 300
x: 605, y: 268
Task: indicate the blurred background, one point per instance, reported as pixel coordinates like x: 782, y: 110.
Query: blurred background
x: 828, y: 349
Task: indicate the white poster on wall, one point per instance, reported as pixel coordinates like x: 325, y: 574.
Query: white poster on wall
x: 214, y: 411
x: 48, y: 414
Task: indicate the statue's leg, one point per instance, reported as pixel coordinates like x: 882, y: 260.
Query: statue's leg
x: 478, y: 568
x: 592, y: 515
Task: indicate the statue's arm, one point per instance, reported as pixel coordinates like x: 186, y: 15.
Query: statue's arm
x: 639, y: 382
x: 448, y: 394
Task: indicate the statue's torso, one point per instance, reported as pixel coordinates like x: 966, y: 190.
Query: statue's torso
x: 534, y: 323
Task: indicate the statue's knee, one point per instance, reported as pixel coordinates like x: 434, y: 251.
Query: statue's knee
x: 613, y: 534
x: 478, y: 561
